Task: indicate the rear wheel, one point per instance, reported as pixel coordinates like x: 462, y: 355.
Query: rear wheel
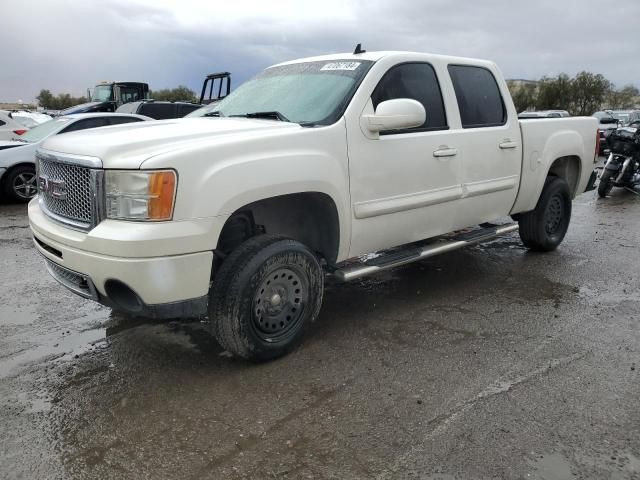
x: 544, y: 228
x: 266, y: 293
x: 606, y: 183
x: 20, y: 183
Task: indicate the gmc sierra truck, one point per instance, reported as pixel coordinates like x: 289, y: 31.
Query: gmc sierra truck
x: 299, y: 174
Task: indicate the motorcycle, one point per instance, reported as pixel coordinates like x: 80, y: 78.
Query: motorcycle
x: 622, y: 168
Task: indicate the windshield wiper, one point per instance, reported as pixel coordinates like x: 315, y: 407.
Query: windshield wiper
x: 217, y: 113
x: 271, y: 115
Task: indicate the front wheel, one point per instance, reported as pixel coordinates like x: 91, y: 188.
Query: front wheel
x: 20, y: 183
x: 544, y: 228
x: 606, y: 183
x: 266, y: 293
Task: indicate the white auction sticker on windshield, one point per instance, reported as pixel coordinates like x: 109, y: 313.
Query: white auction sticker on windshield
x: 341, y: 66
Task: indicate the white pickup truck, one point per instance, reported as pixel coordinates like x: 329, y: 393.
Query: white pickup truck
x: 302, y: 170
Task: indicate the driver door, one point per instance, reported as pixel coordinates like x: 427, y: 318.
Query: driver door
x: 405, y: 184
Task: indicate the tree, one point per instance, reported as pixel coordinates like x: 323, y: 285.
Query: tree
x: 582, y: 95
x: 589, y: 91
x: 524, y: 95
x: 45, y: 99
x: 627, y: 97
x: 555, y: 93
x: 58, y: 102
x: 178, y: 94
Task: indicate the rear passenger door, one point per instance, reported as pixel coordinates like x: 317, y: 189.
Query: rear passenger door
x: 489, y: 144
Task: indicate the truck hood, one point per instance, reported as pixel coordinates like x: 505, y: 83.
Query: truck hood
x: 128, y: 145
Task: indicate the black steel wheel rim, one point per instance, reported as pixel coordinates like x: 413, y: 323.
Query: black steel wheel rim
x: 279, y: 304
x: 554, y: 215
x: 24, y: 185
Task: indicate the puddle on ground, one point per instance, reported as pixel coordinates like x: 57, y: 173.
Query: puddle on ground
x: 14, y: 315
x: 62, y: 348
x: 555, y: 466
x: 610, y: 293
x: 551, y: 467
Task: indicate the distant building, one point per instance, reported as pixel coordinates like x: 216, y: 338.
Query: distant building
x: 17, y: 106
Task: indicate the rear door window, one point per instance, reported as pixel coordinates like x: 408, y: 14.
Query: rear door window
x: 159, y: 111
x: 87, y: 123
x: 478, y: 95
x: 120, y: 120
x: 417, y: 81
x: 186, y: 109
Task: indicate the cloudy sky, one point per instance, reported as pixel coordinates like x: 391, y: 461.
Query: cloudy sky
x: 69, y: 45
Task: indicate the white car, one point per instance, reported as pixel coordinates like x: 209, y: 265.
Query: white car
x: 30, y: 119
x: 544, y: 114
x: 17, y: 157
x: 300, y: 173
x: 10, y: 127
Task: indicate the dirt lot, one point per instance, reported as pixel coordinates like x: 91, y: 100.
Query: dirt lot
x: 490, y: 362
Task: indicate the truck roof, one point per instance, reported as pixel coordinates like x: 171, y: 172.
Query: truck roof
x: 109, y: 82
x: 375, y: 56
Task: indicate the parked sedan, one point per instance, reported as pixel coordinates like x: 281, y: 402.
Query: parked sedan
x: 17, y: 157
x: 30, y: 119
x: 10, y: 127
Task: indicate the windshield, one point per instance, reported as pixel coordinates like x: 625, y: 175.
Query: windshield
x: 311, y: 93
x: 102, y: 93
x: 43, y: 130
x: 622, y: 117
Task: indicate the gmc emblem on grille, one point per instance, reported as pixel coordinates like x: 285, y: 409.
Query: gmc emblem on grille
x: 55, y: 188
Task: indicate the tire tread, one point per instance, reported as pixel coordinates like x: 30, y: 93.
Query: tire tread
x: 531, y: 224
x: 226, y: 300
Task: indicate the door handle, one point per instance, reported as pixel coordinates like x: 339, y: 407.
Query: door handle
x: 508, y: 144
x: 445, y: 152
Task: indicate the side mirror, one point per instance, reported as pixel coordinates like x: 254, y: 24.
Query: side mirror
x: 396, y: 114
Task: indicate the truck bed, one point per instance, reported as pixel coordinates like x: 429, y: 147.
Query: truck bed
x: 544, y: 141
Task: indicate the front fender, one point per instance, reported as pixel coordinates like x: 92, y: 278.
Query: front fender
x: 217, y: 180
x: 297, y: 173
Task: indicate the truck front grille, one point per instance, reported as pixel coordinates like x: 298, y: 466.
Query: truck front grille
x: 68, y: 192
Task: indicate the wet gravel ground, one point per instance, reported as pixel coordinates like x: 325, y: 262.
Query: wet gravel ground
x: 489, y: 362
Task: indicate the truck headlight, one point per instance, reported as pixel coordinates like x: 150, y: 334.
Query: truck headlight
x: 139, y: 195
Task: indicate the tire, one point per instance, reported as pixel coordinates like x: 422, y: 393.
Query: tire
x: 544, y: 228
x: 264, y: 296
x: 606, y: 184
x: 20, y: 183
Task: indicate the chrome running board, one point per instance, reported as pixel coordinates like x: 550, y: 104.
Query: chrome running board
x: 413, y: 253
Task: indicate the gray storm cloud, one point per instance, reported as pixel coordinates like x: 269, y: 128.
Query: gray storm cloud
x: 69, y: 45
